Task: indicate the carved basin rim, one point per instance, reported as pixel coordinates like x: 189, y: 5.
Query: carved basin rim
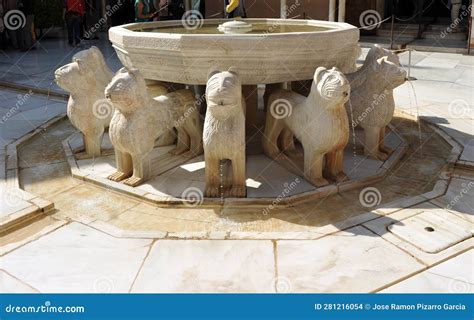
x: 187, y: 58
x: 137, y: 27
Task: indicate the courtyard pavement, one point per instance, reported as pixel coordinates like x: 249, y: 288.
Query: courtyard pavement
x: 58, y: 253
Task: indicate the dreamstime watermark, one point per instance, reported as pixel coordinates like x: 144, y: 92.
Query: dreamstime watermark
x: 455, y: 24
x: 287, y: 188
x: 370, y: 19
x: 281, y: 108
x: 459, y: 285
x: 464, y: 191
x: 192, y: 20
x: 14, y: 20
x: 109, y: 11
x: 47, y: 307
x: 192, y: 197
x: 189, y: 111
x: 21, y: 100
x: 281, y: 285
x: 12, y: 197
x: 288, y: 10
x: 377, y: 100
x: 103, y: 285
x: 459, y: 108
x: 370, y: 197
x: 102, y: 109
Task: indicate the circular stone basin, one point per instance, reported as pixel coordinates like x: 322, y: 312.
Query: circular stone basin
x: 276, y: 50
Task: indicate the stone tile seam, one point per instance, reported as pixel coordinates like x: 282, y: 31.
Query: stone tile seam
x: 449, y: 278
x: 395, y: 245
x: 66, y: 222
x: 21, y: 281
x: 140, y: 268
x: 11, y: 152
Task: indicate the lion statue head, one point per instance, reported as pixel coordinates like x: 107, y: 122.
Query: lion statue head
x: 126, y: 90
x: 223, y: 93
x: 72, y: 76
x: 94, y: 60
x: 331, y: 86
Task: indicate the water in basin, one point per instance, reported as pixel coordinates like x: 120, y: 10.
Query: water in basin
x: 257, y: 28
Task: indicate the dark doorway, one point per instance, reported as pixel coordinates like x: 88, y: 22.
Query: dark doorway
x: 428, y: 9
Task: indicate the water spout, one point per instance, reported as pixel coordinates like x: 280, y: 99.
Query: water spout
x: 353, y: 134
x: 417, y: 116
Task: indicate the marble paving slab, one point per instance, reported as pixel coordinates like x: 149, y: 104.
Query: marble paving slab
x: 9, y: 284
x: 460, y: 267
x: 11, y: 201
x: 380, y: 225
x: 459, y: 198
x: 348, y: 261
x: 433, y: 231
x: 76, y: 258
x: 207, y: 266
x: 453, y: 276
x: 430, y: 283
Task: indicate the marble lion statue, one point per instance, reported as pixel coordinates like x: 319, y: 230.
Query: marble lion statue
x: 224, y: 132
x: 85, y: 79
x: 156, y: 88
x: 94, y: 60
x: 372, y: 103
x: 139, y: 119
x: 318, y: 121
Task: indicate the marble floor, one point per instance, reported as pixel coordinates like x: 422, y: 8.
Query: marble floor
x: 416, y: 237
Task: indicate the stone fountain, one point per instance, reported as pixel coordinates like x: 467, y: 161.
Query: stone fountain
x: 271, y: 51
x: 169, y: 154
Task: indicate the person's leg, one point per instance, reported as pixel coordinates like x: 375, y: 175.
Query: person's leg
x: 3, y: 40
x: 25, y: 39
x: 20, y: 33
x: 80, y: 29
x: 12, y: 34
x: 83, y: 26
x: 28, y: 35
x: 33, y: 29
x: 70, y: 30
x: 21, y: 39
x: 456, y: 7
x: 77, y: 31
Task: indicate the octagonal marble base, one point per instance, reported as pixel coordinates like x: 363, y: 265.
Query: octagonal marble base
x: 179, y: 180
x: 424, y: 175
